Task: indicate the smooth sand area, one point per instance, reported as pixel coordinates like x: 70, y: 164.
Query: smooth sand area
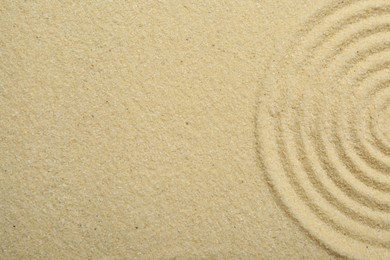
x: 158, y: 129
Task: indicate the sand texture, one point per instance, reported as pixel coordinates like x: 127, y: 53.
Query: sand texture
x: 324, y: 127
x: 180, y: 129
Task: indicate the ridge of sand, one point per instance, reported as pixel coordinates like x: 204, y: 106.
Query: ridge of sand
x: 323, y: 136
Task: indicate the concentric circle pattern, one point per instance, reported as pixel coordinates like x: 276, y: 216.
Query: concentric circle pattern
x: 324, y: 127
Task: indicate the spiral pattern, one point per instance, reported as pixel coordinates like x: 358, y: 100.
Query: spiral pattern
x: 324, y: 127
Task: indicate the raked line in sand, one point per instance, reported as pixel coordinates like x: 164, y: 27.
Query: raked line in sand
x: 323, y: 127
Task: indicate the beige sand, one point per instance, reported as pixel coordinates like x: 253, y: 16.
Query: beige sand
x: 194, y: 129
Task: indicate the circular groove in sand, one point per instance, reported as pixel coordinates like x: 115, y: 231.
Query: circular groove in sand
x: 372, y: 154
x: 302, y: 183
x: 324, y: 155
x: 333, y: 193
x: 379, y: 141
x: 362, y: 161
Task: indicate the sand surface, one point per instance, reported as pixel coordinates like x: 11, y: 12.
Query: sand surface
x: 161, y: 129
